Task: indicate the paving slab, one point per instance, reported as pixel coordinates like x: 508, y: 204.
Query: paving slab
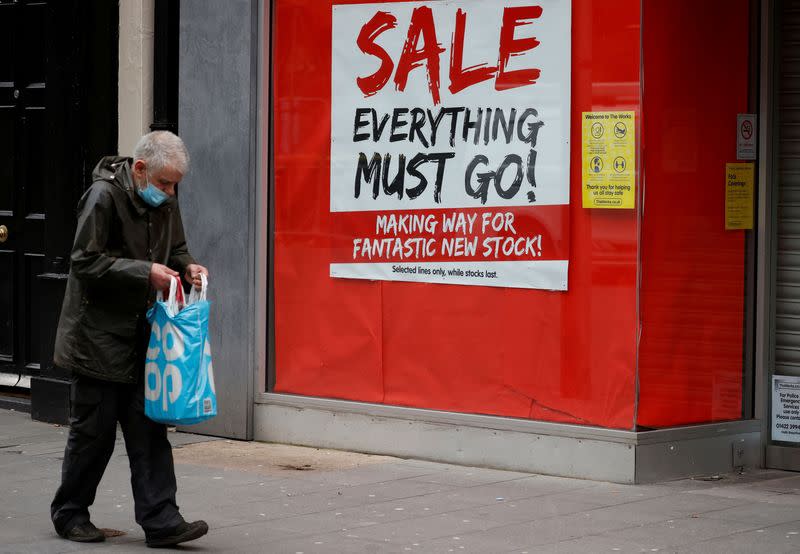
x: 467, y: 476
x: 422, y: 529
x: 528, y: 509
x: 611, y: 494
x: 682, y: 504
x: 775, y: 539
x: 673, y: 533
x: 594, y: 544
x: 325, y: 544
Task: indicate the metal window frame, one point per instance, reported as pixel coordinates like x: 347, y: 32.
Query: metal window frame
x: 767, y: 211
x: 264, y: 369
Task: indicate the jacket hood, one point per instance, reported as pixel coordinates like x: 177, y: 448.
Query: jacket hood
x: 116, y: 170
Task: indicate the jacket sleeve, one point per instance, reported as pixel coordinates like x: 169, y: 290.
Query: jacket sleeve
x: 179, y: 256
x: 90, y: 257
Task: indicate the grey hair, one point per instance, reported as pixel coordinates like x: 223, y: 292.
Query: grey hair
x: 161, y: 149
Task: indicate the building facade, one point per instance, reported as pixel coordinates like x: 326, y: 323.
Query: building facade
x: 552, y: 236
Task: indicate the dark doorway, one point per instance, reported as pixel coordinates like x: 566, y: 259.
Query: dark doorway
x: 58, y: 114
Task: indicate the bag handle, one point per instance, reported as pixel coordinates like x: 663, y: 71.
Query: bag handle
x: 175, y: 301
x: 196, y: 295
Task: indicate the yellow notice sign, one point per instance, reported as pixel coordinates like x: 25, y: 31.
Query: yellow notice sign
x: 609, y: 159
x: 739, y: 186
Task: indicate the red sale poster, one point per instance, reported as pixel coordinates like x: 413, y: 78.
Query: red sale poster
x: 450, y: 142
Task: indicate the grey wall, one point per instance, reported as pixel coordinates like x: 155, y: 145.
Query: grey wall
x: 217, y: 103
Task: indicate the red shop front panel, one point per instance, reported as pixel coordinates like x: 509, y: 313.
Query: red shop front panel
x: 565, y: 356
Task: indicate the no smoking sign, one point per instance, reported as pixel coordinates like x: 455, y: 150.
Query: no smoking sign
x: 746, y: 129
x: 746, y: 136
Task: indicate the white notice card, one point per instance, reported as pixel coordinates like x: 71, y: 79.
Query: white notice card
x: 785, y: 408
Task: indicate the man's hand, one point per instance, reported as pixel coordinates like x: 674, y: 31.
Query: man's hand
x: 193, y: 272
x: 160, y: 276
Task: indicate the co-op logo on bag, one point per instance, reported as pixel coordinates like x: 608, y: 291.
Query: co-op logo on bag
x: 167, y: 384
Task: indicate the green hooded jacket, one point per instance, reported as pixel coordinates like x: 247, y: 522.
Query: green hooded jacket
x: 102, y: 330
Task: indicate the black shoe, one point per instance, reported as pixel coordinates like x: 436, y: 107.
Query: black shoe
x: 85, y: 532
x: 178, y: 534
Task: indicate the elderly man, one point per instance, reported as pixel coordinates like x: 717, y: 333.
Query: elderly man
x: 129, y: 243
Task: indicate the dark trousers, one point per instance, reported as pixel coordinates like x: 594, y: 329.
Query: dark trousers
x: 95, y: 408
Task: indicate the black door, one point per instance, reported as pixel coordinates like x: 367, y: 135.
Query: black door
x: 23, y: 125
x: 58, y: 115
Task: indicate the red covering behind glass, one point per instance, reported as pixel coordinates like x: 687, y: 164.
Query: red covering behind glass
x: 692, y: 293
x: 567, y: 357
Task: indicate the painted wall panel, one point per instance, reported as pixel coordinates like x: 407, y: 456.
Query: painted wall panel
x: 218, y: 124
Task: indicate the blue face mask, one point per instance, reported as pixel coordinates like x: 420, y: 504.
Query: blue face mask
x: 152, y: 195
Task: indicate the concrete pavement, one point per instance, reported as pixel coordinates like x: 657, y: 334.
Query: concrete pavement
x: 280, y: 499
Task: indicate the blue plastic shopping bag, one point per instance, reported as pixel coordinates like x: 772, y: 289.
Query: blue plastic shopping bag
x: 179, y: 376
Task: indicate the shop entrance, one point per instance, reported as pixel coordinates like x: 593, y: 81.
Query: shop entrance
x: 783, y: 443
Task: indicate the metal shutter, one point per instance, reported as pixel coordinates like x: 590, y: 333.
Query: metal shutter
x: 787, y: 292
